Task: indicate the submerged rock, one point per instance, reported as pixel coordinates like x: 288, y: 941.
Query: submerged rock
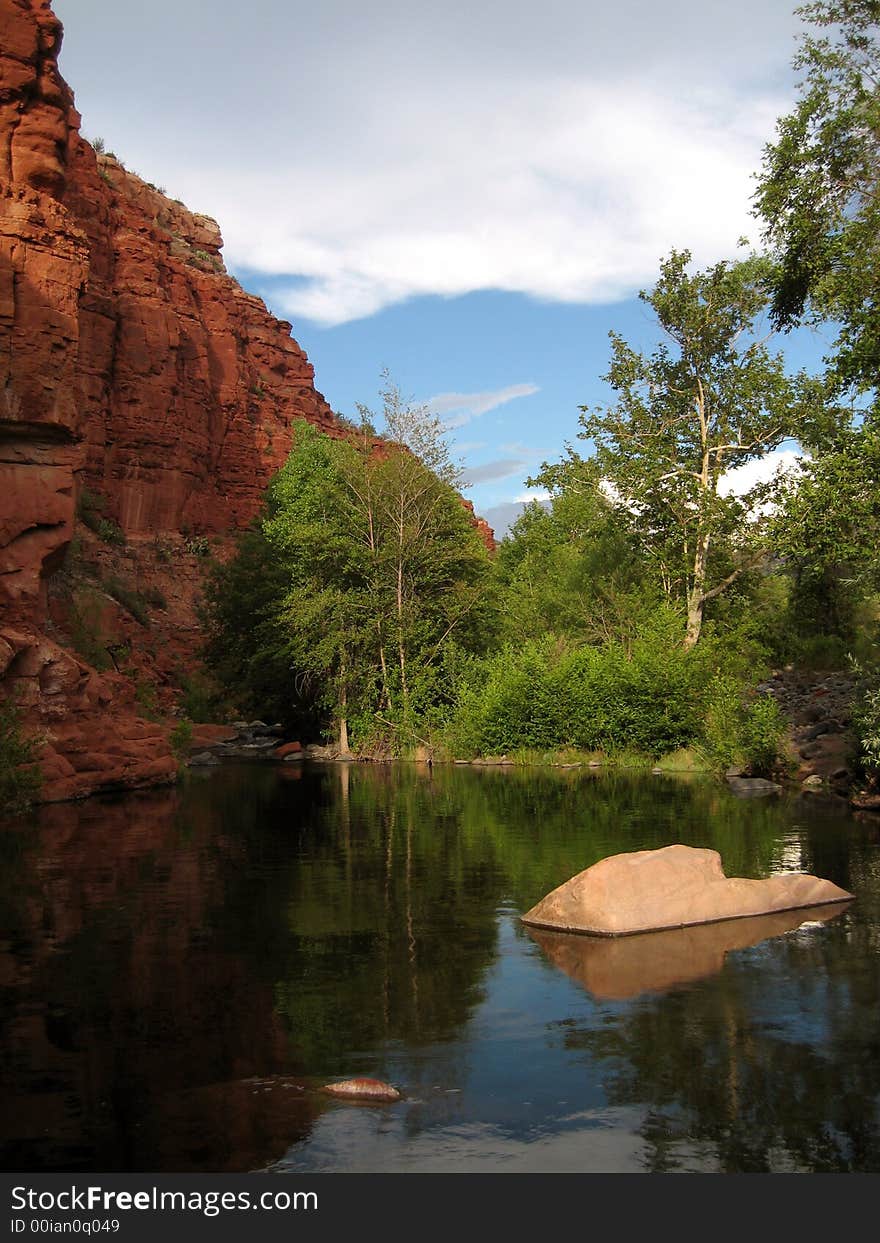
x: 753, y: 787
x: 674, y: 887
x: 205, y: 759
x: 363, y: 1090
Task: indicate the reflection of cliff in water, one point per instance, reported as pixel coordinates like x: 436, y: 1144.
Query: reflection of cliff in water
x: 119, y: 998
x: 168, y: 949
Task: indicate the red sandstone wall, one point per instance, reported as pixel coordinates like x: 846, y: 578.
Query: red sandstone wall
x: 131, y: 364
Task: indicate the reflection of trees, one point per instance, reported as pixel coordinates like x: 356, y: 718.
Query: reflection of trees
x: 767, y: 1070
x: 397, y: 907
x: 543, y: 826
x: 300, y: 921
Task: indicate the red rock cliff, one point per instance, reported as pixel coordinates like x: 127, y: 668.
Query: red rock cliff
x: 135, y: 373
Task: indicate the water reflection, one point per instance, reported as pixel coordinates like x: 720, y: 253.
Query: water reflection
x: 615, y: 968
x: 180, y: 971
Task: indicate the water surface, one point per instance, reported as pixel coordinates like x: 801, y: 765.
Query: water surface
x: 180, y: 972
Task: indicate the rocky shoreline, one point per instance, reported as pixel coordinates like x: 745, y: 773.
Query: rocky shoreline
x: 821, y: 745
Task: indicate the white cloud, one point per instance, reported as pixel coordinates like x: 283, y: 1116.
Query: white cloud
x: 536, y: 494
x: 739, y: 480
x: 461, y: 408
x: 376, y: 153
x: 574, y: 199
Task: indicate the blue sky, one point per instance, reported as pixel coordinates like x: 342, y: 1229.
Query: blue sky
x: 470, y: 195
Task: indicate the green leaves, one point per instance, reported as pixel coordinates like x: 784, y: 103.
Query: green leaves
x: 709, y: 399
x: 819, y: 192
x: 364, y: 570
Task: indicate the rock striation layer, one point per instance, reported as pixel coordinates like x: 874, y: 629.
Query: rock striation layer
x: 130, y: 362
x: 674, y: 887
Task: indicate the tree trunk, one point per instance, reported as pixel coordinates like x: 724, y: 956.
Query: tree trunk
x: 343, y: 719
x: 696, y: 599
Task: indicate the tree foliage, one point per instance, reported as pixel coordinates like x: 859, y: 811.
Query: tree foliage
x: 364, y: 574
x: 819, y: 191
x: 20, y: 776
x: 709, y: 399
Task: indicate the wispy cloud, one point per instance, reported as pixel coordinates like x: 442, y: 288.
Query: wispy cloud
x: 461, y: 408
x: 739, y: 480
x: 488, y: 472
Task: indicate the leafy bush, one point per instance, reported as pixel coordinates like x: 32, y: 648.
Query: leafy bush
x: 761, y: 734
x: 145, y: 697
x: 20, y: 776
x: 738, y: 732
x: 643, y: 698
x: 199, y: 700
x: 866, y: 722
x: 86, y: 629
x: 90, y: 510
x: 180, y: 739
x: 163, y: 550
x: 132, y: 601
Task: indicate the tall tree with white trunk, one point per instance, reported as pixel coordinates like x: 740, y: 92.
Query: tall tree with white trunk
x: 710, y: 398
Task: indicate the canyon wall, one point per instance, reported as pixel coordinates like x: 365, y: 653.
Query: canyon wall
x: 140, y: 387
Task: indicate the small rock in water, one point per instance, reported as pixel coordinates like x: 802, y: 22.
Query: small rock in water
x: 363, y: 1090
x: 753, y: 787
x: 203, y: 760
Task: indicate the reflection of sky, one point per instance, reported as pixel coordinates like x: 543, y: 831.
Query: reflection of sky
x: 523, y: 1102
x: 526, y: 1102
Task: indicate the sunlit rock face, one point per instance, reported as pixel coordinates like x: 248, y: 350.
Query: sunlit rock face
x: 131, y: 364
x: 129, y: 359
x: 674, y: 887
x: 43, y: 270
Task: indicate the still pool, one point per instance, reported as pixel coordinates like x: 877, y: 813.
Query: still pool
x: 181, y: 971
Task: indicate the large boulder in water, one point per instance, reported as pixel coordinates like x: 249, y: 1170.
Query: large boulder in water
x: 670, y: 888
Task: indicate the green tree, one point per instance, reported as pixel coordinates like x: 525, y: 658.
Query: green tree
x: 20, y: 776
x: 710, y: 398
x: 819, y: 194
x: 569, y: 568
x: 829, y: 519
x: 819, y: 191
x: 366, y: 571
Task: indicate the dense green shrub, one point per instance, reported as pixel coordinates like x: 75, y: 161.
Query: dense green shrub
x: 132, y: 601
x: 86, y: 628
x: 741, y: 732
x: 180, y: 739
x: 200, y: 700
x: 866, y: 723
x: 20, y: 776
x: 198, y: 546
x: 646, y: 697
